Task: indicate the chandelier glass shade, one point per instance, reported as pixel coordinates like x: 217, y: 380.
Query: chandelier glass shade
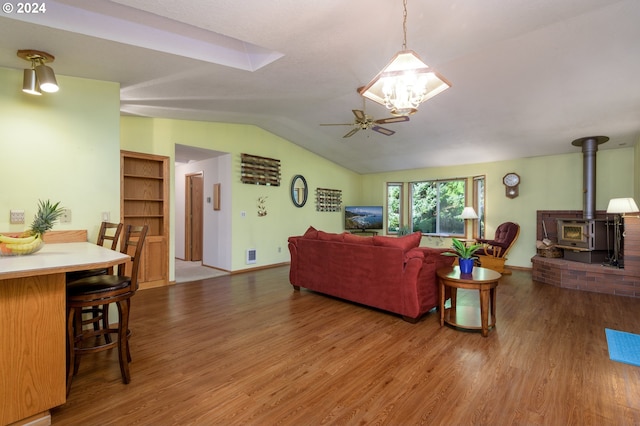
x: 405, y: 82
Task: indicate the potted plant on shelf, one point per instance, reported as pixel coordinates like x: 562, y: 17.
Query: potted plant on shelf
x: 465, y: 255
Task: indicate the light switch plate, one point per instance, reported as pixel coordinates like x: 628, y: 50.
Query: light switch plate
x: 66, y: 216
x: 16, y: 217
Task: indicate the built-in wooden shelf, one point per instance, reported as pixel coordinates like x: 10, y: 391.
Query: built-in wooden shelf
x: 144, y: 200
x: 142, y: 177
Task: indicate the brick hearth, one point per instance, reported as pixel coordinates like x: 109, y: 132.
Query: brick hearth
x: 594, y: 277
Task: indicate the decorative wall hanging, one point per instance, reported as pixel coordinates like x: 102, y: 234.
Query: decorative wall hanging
x: 259, y: 170
x: 262, y: 206
x: 328, y: 200
x: 216, y: 196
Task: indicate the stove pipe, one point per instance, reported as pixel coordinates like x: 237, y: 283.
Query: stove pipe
x: 589, y: 146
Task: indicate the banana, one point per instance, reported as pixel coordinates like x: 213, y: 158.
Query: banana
x: 14, y: 240
x: 24, y: 248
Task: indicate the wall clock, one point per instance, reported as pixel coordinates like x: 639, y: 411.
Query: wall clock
x: 511, y: 181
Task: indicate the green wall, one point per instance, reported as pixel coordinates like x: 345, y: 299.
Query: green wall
x: 547, y: 183
x: 62, y: 146
x: 267, y: 234
x: 65, y: 146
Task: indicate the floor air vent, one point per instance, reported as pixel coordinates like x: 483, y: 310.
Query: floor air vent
x: 251, y: 256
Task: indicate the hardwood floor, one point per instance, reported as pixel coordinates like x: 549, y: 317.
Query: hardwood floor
x: 247, y: 349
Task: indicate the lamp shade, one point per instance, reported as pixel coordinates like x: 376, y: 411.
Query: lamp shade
x: 30, y: 82
x: 622, y: 205
x: 404, y: 84
x: 46, y: 79
x: 468, y: 213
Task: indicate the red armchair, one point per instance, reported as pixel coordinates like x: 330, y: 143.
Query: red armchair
x: 494, y: 253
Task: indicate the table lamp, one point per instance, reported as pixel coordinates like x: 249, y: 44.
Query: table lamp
x: 468, y: 213
x: 619, y: 207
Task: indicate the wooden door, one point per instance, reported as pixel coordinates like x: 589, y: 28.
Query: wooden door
x: 193, y: 210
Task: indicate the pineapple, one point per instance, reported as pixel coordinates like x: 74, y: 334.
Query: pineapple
x: 31, y: 240
x: 43, y: 220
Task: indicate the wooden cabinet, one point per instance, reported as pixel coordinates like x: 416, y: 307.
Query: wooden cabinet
x: 144, y: 200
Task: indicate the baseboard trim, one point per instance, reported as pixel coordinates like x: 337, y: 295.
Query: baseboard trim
x: 258, y: 268
x: 519, y: 268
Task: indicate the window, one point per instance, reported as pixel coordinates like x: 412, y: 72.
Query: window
x: 394, y: 207
x: 436, y: 207
x: 478, y: 205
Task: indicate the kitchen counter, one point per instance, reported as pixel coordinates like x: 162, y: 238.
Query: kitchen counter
x: 33, y: 326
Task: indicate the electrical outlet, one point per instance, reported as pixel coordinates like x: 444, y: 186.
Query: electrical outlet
x: 243, y: 213
x: 106, y: 216
x: 16, y: 217
x: 65, y: 217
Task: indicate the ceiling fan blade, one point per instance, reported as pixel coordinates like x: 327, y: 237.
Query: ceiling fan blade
x: 359, y: 114
x: 352, y: 132
x: 341, y: 124
x: 382, y: 130
x: 398, y: 119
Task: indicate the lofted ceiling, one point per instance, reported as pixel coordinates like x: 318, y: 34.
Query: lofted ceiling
x: 528, y: 76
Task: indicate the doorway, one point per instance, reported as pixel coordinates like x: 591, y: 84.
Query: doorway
x: 194, y: 193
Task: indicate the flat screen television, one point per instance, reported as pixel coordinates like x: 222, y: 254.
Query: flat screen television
x: 363, y: 217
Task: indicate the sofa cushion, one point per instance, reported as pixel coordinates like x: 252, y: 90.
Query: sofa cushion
x: 405, y: 243
x: 311, y: 233
x: 327, y: 236
x: 357, y: 239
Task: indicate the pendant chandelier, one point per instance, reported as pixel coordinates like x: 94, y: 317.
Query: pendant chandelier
x: 406, y: 81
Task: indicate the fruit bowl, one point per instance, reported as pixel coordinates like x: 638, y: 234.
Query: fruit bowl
x: 13, y: 249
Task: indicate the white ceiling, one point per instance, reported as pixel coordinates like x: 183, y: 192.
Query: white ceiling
x: 528, y: 76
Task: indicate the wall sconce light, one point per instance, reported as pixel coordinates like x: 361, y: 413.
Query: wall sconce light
x: 619, y: 207
x: 40, y: 77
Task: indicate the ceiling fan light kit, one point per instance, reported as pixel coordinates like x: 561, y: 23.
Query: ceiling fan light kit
x: 364, y: 122
x: 405, y: 82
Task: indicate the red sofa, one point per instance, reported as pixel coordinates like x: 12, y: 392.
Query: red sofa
x: 388, y: 273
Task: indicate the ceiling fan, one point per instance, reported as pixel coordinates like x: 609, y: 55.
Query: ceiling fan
x: 364, y: 122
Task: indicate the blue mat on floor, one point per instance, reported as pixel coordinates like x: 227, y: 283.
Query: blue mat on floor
x: 623, y: 347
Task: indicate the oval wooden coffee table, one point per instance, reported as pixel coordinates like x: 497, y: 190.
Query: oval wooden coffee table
x: 481, y: 279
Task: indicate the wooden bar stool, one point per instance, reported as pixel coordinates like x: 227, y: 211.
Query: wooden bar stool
x: 109, y: 232
x: 101, y: 290
x: 104, y: 234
